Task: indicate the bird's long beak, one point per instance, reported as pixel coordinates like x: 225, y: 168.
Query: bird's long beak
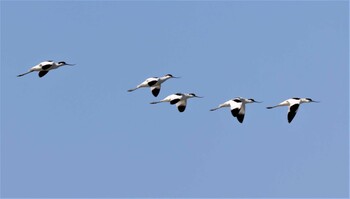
x: 199, y: 97
x: 176, y: 77
x: 70, y: 64
x: 257, y: 102
x: 315, y: 101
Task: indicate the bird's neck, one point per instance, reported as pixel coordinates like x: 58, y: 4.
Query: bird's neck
x: 164, y: 78
x: 303, y: 100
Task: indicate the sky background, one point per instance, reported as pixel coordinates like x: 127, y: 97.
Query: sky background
x: 77, y: 133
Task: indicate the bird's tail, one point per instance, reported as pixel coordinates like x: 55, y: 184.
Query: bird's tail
x: 130, y: 90
x: 24, y: 73
x: 270, y: 107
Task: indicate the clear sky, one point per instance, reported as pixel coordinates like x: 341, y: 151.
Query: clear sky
x: 77, y: 132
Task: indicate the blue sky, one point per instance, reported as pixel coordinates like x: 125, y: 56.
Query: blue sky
x: 77, y: 133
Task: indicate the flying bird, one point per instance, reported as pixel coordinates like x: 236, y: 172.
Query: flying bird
x: 44, y: 67
x: 154, y: 83
x: 293, y: 104
x: 180, y: 99
x: 237, y: 106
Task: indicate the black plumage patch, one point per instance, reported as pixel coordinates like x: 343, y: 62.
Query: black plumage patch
x: 174, y: 101
x: 178, y: 94
x: 292, y: 112
x: 237, y: 100
x: 240, y: 118
x: 181, y: 108
x: 235, y: 112
x: 151, y: 83
x: 155, y: 91
x: 42, y: 73
x: 296, y: 98
x: 46, y: 67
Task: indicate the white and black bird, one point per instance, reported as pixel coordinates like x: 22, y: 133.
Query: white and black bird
x: 154, y: 83
x: 44, y: 67
x: 293, y: 104
x: 180, y: 99
x: 237, y: 106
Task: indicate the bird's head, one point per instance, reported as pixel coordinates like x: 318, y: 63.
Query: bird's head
x: 193, y: 95
x: 307, y: 100
x: 170, y: 76
x: 62, y: 63
x: 251, y: 100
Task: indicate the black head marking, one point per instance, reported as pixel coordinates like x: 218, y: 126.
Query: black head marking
x: 309, y: 99
x: 170, y: 75
x: 62, y: 62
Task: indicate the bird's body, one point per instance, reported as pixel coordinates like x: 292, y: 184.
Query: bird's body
x: 180, y: 99
x: 237, y: 106
x: 44, y: 67
x: 154, y: 83
x: 293, y: 104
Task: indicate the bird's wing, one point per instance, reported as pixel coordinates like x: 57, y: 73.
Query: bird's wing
x: 152, y: 81
x: 181, y: 105
x: 155, y: 90
x: 42, y: 73
x: 241, y: 113
x: 46, y: 66
x: 235, y: 107
x: 225, y: 104
x: 293, y: 109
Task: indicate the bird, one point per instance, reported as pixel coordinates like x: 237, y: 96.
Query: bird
x: 154, y: 83
x: 293, y: 104
x: 237, y: 106
x: 44, y: 67
x: 180, y: 99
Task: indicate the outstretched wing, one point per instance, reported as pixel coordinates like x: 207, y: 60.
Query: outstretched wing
x: 293, y: 109
x: 235, y: 106
x: 155, y: 90
x: 42, y: 73
x: 152, y: 83
x: 241, y: 113
x: 181, y: 105
x: 46, y: 66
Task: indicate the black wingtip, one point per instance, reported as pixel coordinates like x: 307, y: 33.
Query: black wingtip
x: 155, y: 92
x: 235, y: 112
x: 42, y: 73
x: 181, y: 108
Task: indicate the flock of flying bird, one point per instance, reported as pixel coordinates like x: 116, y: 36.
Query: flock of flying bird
x: 237, y: 105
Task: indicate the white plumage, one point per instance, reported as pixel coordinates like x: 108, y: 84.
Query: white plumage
x: 180, y: 99
x: 154, y: 83
x: 44, y: 67
x: 293, y: 104
x: 237, y: 106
